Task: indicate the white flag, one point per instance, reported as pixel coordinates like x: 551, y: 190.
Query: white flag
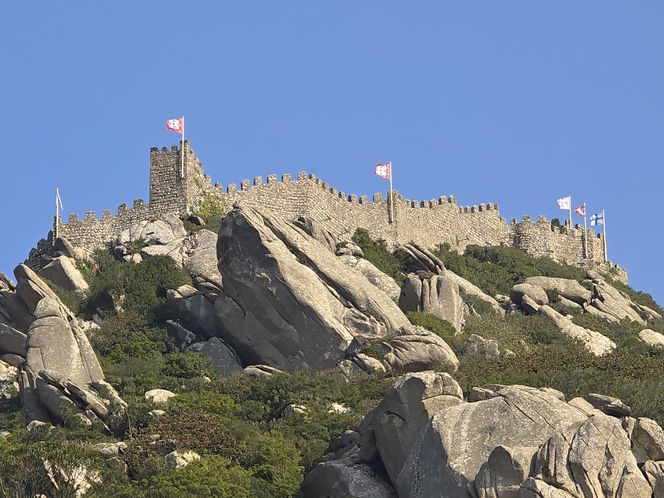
x: 565, y: 202
x: 58, y: 200
x: 597, y: 219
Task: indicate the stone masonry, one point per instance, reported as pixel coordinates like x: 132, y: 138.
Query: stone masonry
x: 174, y: 189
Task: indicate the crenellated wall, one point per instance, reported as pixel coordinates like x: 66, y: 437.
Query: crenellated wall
x: 564, y: 244
x: 178, y: 190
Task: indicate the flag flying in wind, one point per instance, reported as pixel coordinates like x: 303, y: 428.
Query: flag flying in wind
x: 58, y: 200
x: 581, y: 210
x: 176, y: 125
x: 597, y: 219
x: 384, y: 170
x: 565, y: 202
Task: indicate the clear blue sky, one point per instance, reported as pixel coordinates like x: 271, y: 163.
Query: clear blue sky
x: 516, y: 102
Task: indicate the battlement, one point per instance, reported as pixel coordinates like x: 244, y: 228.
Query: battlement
x: 179, y: 187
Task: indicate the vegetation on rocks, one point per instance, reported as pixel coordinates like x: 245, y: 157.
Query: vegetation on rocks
x: 250, y: 439
x: 496, y: 269
x: 376, y: 252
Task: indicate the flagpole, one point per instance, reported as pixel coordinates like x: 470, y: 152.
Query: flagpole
x: 391, y: 196
x: 606, y: 252
x: 57, y: 217
x: 182, y: 151
x: 585, y: 230
x: 570, y: 212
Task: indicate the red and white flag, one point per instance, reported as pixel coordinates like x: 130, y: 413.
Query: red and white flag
x: 581, y: 210
x: 384, y: 170
x: 176, y: 125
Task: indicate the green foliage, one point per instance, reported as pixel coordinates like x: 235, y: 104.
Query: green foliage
x: 442, y: 328
x: 624, y: 334
x: 137, y: 288
x: 69, y: 298
x: 135, y: 246
x: 479, y: 306
x: 212, y: 210
x: 262, y: 401
x: 496, y: 269
x: 187, y: 365
x: 25, y: 462
x: 377, y: 348
x: 514, y: 331
x: 566, y: 366
x: 438, y: 326
x: 555, y: 224
x: 210, y: 476
x: 376, y: 252
x: 272, y: 460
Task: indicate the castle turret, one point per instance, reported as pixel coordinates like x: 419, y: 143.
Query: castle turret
x: 173, y: 188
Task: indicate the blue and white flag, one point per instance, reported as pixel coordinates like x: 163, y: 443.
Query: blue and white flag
x: 597, y: 219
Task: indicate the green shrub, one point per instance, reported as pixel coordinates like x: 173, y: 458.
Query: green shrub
x: 515, y: 331
x: 624, y: 334
x: 634, y: 378
x: 272, y: 460
x: 496, y: 269
x: 376, y: 252
x: 210, y: 476
x: 133, y: 287
x: 212, y: 211
x: 442, y: 328
x: 70, y: 299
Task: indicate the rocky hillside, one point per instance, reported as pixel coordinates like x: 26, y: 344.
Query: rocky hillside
x: 248, y: 356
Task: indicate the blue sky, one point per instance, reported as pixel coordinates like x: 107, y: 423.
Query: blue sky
x: 517, y: 103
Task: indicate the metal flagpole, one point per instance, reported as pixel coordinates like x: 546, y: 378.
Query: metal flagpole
x: 57, y: 216
x: 182, y: 151
x: 570, y: 212
x: 606, y: 253
x: 585, y: 230
x: 391, y: 195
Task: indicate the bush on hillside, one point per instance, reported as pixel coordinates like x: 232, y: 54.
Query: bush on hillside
x: 496, y: 269
x: 138, y: 288
x: 376, y: 252
x: 634, y: 378
x: 514, y: 331
x: 211, y: 210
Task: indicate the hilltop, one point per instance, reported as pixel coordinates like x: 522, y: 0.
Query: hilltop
x: 285, y: 339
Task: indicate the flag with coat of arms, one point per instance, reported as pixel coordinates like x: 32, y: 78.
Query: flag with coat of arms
x: 384, y: 170
x: 581, y: 210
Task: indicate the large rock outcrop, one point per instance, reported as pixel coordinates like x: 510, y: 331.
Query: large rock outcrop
x: 62, y: 271
x: 406, y: 408
x: 59, y: 376
x: 592, y: 458
x: 512, y: 442
x: 452, y: 448
x: 200, y: 256
x: 419, y: 259
x: 374, y: 275
x: 62, y: 380
x: 596, y: 343
x: 288, y: 301
x: 164, y: 236
x: 434, y: 294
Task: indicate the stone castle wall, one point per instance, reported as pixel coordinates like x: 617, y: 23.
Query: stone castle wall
x: 174, y: 189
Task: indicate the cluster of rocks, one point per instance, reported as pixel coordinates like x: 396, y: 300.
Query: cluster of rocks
x: 295, y: 298
x: 425, y: 440
x: 597, y: 298
x: 47, y: 354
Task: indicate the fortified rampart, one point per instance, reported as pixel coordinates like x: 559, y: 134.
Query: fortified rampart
x: 180, y: 190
